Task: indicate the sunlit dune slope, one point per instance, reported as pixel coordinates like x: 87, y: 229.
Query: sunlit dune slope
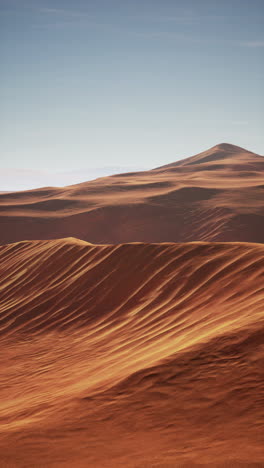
x: 135, y: 355
x: 217, y: 195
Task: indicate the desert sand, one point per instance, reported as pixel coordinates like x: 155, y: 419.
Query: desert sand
x: 135, y: 355
x: 131, y: 318
x: 215, y: 196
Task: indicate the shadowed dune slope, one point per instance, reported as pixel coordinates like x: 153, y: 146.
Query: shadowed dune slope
x: 136, y: 355
x: 217, y: 195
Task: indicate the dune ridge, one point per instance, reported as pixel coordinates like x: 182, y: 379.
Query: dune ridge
x: 215, y: 196
x: 151, y: 350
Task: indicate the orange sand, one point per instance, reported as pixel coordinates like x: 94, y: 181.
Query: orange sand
x: 136, y: 355
x: 217, y: 195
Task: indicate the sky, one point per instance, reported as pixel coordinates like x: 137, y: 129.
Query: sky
x: 95, y: 84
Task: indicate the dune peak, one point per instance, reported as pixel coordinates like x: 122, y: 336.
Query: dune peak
x: 228, y: 147
x: 216, y: 195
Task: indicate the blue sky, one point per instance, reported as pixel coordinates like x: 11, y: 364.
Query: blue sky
x: 128, y: 82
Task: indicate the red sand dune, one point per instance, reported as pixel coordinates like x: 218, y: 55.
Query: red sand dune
x: 217, y: 195
x: 136, y: 355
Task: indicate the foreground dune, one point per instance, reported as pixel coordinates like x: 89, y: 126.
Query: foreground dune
x: 135, y: 355
x: 217, y: 195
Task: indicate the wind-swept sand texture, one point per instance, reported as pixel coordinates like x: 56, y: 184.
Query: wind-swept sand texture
x: 217, y: 195
x: 132, y: 355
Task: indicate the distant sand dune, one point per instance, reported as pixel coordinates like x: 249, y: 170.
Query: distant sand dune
x: 134, y: 355
x: 215, y: 196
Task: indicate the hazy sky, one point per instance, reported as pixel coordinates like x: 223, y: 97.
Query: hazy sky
x: 94, y: 83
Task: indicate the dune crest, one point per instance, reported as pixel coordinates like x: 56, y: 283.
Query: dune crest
x: 215, y: 196
x: 151, y: 350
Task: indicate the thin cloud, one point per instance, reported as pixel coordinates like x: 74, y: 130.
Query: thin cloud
x: 184, y: 16
x: 172, y: 36
x: 252, y: 44
x: 25, y: 179
x: 61, y: 18
x: 63, y: 12
x: 60, y: 24
x: 177, y: 19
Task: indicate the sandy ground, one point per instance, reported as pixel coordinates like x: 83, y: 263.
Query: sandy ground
x: 135, y: 355
x: 217, y: 195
